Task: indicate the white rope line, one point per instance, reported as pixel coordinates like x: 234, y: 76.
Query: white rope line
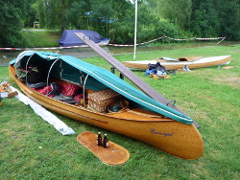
x: 120, y: 45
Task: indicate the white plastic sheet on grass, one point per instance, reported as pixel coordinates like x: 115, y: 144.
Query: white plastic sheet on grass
x: 44, y: 114
x: 3, y: 94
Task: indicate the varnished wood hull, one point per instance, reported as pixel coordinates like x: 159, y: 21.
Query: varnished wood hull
x: 202, y: 62
x: 173, y: 137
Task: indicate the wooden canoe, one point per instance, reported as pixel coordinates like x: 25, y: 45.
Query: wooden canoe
x: 181, y: 62
x: 164, y: 131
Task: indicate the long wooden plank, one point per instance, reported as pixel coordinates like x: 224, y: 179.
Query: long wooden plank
x: 146, y: 88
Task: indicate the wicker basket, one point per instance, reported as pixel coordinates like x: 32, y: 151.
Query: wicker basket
x: 101, y: 99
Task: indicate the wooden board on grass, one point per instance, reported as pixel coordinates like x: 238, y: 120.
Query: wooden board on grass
x: 113, y: 155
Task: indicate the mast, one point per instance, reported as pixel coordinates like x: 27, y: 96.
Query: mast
x: 146, y: 88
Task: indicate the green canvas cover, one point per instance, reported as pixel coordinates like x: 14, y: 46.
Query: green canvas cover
x: 75, y: 70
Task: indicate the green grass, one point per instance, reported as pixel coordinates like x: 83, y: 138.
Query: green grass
x: 41, y: 38
x: 32, y: 149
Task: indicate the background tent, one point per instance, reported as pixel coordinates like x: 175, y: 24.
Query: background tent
x: 70, y: 39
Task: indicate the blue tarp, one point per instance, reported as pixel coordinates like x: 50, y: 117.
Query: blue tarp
x: 70, y: 39
x: 72, y: 69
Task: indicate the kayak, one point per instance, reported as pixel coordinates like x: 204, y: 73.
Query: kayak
x: 174, y: 64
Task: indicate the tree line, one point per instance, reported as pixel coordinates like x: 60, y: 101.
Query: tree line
x: 115, y: 18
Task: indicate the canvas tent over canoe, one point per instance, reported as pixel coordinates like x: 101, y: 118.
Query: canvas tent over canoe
x: 69, y: 38
x: 75, y: 68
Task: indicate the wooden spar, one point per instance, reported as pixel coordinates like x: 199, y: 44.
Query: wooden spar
x: 148, y: 90
x: 124, y: 70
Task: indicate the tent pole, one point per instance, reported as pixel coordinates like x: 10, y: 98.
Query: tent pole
x: 49, y: 73
x: 27, y: 67
x: 50, y: 70
x: 84, y: 90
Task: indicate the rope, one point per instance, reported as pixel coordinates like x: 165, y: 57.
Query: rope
x: 121, y: 45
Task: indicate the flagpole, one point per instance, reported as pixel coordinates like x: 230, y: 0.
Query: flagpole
x: 135, y: 30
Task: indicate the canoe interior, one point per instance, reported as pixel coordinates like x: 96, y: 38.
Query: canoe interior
x: 128, y: 113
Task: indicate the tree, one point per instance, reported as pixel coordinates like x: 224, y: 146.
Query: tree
x: 29, y: 13
x: 11, y: 23
x: 216, y: 18
x: 52, y: 13
x: 205, y: 22
x: 229, y: 19
x: 178, y: 12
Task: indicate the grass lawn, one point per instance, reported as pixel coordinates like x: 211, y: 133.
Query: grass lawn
x: 32, y: 149
x: 43, y: 38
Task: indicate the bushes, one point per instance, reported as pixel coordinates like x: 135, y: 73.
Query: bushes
x: 124, y: 33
